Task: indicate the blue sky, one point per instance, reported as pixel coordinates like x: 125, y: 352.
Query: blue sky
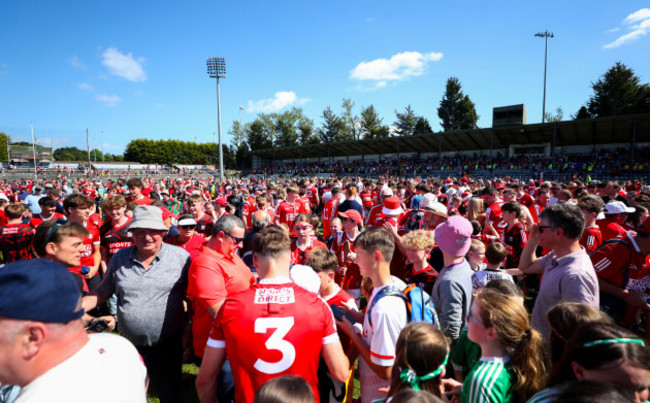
x: 136, y: 69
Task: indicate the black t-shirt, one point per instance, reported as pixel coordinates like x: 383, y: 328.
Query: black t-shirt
x: 235, y: 201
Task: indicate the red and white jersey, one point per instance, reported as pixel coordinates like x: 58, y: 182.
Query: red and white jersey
x: 306, y: 204
x: 329, y: 212
x: 535, y: 211
x: 375, y: 216
x: 367, y: 200
x: 288, y: 211
x: 250, y: 205
x: 274, y: 328
x: 610, y: 228
x: 38, y: 219
x: 300, y: 256
x: 90, y: 192
x: 312, y: 196
x: 514, y: 239
x: 91, y: 241
x: 591, y: 239
x: 352, y: 279
x: 493, y: 214
x: 525, y: 200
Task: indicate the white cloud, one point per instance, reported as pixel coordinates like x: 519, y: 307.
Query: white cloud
x: 399, y: 67
x: 76, y: 63
x: 124, y: 65
x: 638, y: 23
x: 109, y: 100
x: 613, y: 30
x: 85, y: 86
x: 281, y: 100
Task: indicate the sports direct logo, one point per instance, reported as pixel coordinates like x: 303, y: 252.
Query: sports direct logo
x: 275, y: 295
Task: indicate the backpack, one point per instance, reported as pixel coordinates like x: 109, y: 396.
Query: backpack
x: 419, y: 307
x: 614, y: 306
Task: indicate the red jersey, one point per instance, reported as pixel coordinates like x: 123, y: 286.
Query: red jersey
x: 424, y: 279
x: 352, y: 279
x: 204, y: 225
x: 38, y: 219
x: 329, y: 212
x: 514, y: 239
x: 525, y: 200
x: 312, y: 196
x: 493, y: 214
x: 272, y: 330
x: 610, y: 262
x: 288, y: 211
x: 247, y: 211
x: 374, y: 216
x: 95, y: 220
x: 90, y: 192
x: 306, y: 204
x: 16, y: 242
x: 609, y: 228
x: 112, y: 239
x: 591, y: 239
x: 300, y: 256
x: 145, y: 201
x: 3, y: 218
x: 366, y: 199
x: 192, y: 246
x: 340, y: 298
x: 90, y: 240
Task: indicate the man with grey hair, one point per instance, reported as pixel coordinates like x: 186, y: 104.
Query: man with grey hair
x: 150, y: 281
x: 569, y: 275
x: 214, y: 275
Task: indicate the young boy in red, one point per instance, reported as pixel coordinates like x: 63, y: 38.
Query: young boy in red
x: 16, y: 237
x: 514, y: 237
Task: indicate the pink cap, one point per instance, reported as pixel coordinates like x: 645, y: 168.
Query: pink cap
x: 353, y: 215
x: 454, y: 236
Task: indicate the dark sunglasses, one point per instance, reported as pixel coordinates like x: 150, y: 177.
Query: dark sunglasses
x: 234, y: 238
x: 57, y: 223
x: 541, y: 227
x: 187, y: 226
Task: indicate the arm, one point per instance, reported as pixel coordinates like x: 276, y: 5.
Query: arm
x: 206, y: 381
x: 451, y: 309
x: 336, y: 361
x: 97, y: 259
x: 104, y: 255
x: 398, y: 240
x: 364, y: 350
x: 528, y: 262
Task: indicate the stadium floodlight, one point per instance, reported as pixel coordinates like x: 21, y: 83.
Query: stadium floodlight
x: 545, y: 35
x: 217, y: 69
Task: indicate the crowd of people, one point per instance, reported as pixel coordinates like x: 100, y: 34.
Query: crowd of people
x: 296, y: 290
x: 611, y: 162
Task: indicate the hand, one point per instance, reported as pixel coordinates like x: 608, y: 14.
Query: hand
x: 390, y: 228
x: 341, y: 270
x: 452, y: 386
x: 346, y: 326
x: 349, y: 306
x: 93, y: 271
x: 534, y: 232
x: 351, y: 257
x: 633, y: 299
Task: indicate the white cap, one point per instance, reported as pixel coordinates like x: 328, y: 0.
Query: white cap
x: 386, y: 191
x: 305, y: 277
x: 617, y: 207
x: 4, y: 197
x: 431, y: 204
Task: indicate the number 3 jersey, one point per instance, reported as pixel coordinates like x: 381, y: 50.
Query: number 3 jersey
x: 272, y: 329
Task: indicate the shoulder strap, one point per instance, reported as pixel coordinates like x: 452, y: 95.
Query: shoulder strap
x: 389, y: 290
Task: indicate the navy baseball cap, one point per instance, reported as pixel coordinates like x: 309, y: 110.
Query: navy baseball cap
x: 39, y: 290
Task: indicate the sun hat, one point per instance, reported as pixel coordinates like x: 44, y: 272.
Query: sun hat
x: 353, y: 215
x: 39, y: 290
x: 617, y: 207
x: 392, y: 206
x: 454, y: 236
x: 149, y: 217
x: 430, y: 203
x: 186, y: 219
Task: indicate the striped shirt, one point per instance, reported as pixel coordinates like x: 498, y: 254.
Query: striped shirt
x: 491, y: 380
x: 547, y: 395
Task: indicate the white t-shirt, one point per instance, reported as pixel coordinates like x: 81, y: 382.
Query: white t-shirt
x: 388, y: 320
x: 107, y: 369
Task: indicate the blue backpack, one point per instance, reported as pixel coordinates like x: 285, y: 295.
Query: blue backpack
x: 419, y: 307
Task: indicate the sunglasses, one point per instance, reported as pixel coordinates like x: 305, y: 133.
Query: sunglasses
x: 187, y: 226
x: 234, y: 238
x: 57, y: 223
x: 472, y: 318
x: 541, y: 227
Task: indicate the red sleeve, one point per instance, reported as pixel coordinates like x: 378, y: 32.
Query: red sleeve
x: 609, y: 263
x: 206, y: 282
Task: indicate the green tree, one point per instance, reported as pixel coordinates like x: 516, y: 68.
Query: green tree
x: 456, y: 110
x: 406, y: 122
x: 371, y: 127
x: 350, y: 121
x: 243, y: 156
x: 583, y: 113
x: 70, y: 154
x: 306, y: 133
x: 237, y: 133
x: 619, y: 92
x: 257, y: 135
x: 5, y: 140
x: 550, y: 118
x: 286, y: 127
x: 333, y: 127
x: 422, y: 127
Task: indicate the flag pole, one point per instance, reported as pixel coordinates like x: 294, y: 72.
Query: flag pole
x: 31, y: 123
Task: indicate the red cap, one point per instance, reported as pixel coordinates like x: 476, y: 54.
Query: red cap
x: 500, y: 186
x: 221, y: 201
x: 165, y: 213
x: 448, y: 181
x: 352, y: 214
x: 464, y: 179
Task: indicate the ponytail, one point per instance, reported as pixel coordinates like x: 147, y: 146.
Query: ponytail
x: 530, y: 364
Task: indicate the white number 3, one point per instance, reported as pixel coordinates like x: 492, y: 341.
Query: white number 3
x: 276, y: 342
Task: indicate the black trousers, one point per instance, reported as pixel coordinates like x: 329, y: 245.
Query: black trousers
x: 164, y: 362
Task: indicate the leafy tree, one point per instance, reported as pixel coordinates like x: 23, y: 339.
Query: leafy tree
x: 456, y: 110
x: 422, y: 127
x: 583, y: 113
x: 257, y: 135
x: 333, y: 127
x: 70, y: 154
x: 559, y: 114
x: 237, y: 133
x: 306, y: 133
x: 286, y: 127
x: 5, y: 139
x: 619, y: 92
x: 243, y: 158
x: 350, y: 121
x: 406, y: 122
x: 371, y: 127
